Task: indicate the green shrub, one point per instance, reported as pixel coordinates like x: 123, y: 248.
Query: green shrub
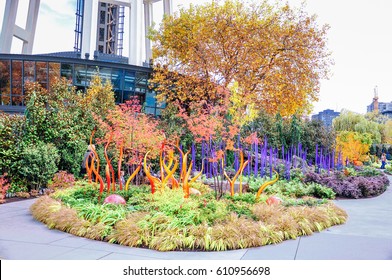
x: 292, y: 188
x: 17, y: 187
x: 368, y: 171
x: 320, y: 191
x: 303, y: 202
x: 246, y: 197
x: 11, y: 135
x: 241, y: 209
x: 38, y: 164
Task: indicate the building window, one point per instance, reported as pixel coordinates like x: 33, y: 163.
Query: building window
x: 80, y: 75
x: 102, y: 17
x: 105, y: 74
x: 117, y: 76
x: 54, y: 73
x: 42, y: 73
x: 101, y: 36
x: 5, y: 92
x: 118, y: 96
x: 66, y: 71
x: 129, y: 81
x: 91, y: 72
x: 127, y: 95
x: 16, y: 79
x: 29, y: 71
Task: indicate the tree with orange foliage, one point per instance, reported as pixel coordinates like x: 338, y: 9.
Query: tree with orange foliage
x: 130, y: 133
x: 275, y: 55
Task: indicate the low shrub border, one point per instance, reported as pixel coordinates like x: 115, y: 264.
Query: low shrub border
x: 167, y: 221
x: 347, y: 186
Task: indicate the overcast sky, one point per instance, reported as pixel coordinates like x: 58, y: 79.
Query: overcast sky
x: 360, y: 39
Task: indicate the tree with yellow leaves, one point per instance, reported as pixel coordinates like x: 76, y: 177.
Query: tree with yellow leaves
x: 273, y: 55
x: 99, y: 98
x: 388, y: 132
x: 353, y: 145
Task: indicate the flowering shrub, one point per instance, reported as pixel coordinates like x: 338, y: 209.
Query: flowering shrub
x: 351, y: 186
x: 4, y: 185
x: 62, y: 180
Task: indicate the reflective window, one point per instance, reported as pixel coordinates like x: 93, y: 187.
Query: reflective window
x: 16, y: 77
x: 150, y: 98
x: 129, y: 80
x: 127, y: 95
x: 141, y: 79
x: 149, y: 110
x: 29, y: 71
x: 141, y: 83
x: 118, y: 96
x: 5, y: 96
x: 54, y: 72
x: 140, y: 90
x: 14, y: 74
x: 80, y: 75
x: 141, y: 98
x: 105, y: 73
x: 66, y: 71
x: 117, y: 76
x: 42, y: 73
x: 91, y: 71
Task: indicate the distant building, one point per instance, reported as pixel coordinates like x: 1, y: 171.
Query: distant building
x: 326, y: 116
x: 383, y: 108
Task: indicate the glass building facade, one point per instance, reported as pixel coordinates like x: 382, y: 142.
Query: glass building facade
x: 127, y: 80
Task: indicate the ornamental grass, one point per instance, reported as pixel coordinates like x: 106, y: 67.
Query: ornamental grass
x: 171, y: 222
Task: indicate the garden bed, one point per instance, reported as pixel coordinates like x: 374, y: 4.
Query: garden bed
x: 167, y: 221
x: 362, y: 183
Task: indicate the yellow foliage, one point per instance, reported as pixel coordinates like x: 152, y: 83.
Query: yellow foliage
x: 388, y: 132
x: 242, y: 113
x: 353, y: 145
x: 274, y: 55
x: 99, y: 97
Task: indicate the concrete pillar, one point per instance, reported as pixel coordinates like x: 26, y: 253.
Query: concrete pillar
x: 167, y: 7
x: 7, y: 30
x: 31, y: 25
x: 10, y: 29
x: 135, y: 33
x: 87, y: 27
x: 148, y: 19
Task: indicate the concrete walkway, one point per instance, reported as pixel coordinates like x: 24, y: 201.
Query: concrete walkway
x: 367, y: 235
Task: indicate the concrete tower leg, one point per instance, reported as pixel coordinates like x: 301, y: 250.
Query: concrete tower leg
x: 167, y: 7
x: 135, y: 33
x: 148, y: 18
x: 89, y: 34
x: 31, y: 25
x: 7, y: 31
x: 10, y: 29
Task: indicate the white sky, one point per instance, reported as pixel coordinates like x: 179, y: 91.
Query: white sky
x: 360, y: 40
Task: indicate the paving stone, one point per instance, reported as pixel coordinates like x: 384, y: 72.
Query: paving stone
x: 282, y: 251
x: 326, y: 246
